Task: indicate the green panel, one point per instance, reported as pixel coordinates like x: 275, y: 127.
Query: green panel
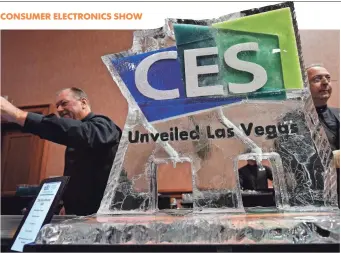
x: 278, y: 23
x: 265, y: 57
x: 193, y: 37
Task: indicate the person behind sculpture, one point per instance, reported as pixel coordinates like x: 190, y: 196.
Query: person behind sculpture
x: 91, y: 144
x: 321, y: 90
x: 253, y: 177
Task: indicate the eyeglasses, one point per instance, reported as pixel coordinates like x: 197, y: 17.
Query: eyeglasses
x: 318, y: 78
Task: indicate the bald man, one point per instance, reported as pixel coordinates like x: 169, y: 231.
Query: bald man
x: 321, y: 90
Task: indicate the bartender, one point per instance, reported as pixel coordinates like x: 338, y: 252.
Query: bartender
x: 254, y: 177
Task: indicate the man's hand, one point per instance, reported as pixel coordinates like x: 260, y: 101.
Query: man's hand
x: 11, y: 113
x: 62, y: 211
x: 336, y: 158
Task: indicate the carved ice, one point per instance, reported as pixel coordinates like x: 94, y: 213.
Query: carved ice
x: 213, y: 140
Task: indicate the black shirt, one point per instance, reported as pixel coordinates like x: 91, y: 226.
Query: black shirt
x: 251, y: 177
x: 91, y: 148
x: 331, y: 125
x: 330, y: 120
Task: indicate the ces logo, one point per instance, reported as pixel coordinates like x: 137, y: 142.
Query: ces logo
x: 192, y: 72
x: 202, y: 73
x: 254, y: 56
x: 162, y: 90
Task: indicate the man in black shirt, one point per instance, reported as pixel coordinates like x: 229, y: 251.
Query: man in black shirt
x: 321, y: 89
x: 91, y: 144
x: 253, y: 177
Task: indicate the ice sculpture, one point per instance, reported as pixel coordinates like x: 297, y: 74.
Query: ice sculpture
x: 201, y: 93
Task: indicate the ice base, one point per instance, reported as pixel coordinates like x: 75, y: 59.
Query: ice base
x: 257, y: 226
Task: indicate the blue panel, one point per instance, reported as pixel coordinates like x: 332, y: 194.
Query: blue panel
x: 164, y: 75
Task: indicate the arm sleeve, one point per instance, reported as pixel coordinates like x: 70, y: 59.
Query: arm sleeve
x: 241, y: 181
x: 95, y: 132
x: 269, y: 173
